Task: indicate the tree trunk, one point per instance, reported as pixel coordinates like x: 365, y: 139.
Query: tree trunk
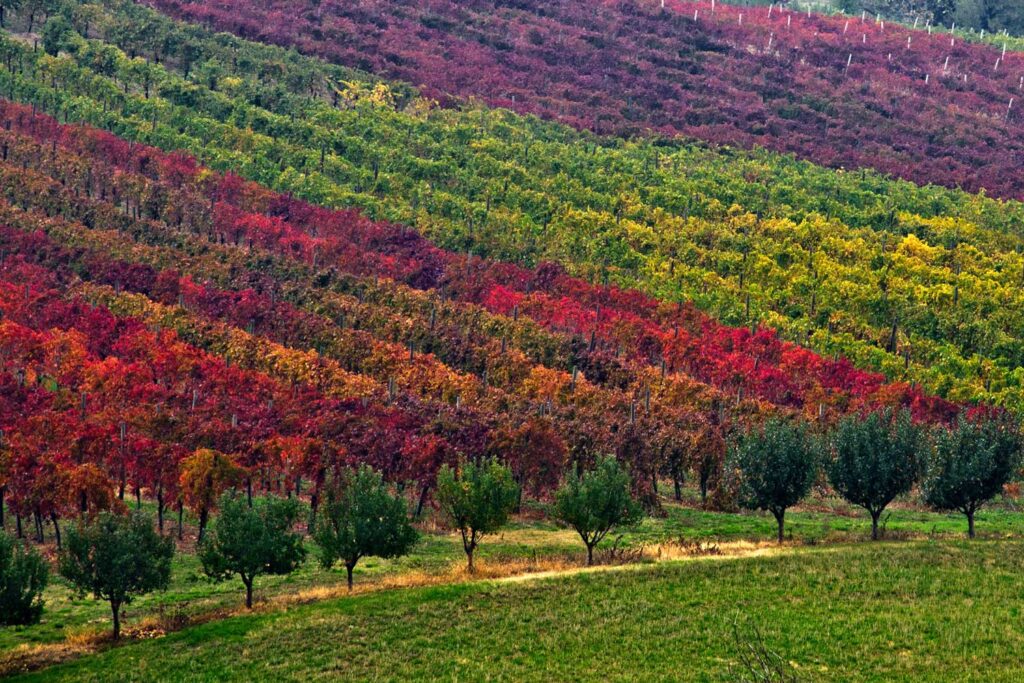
x: 160, y: 508
x: 115, y: 608
x: 314, y: 504
x: 204, y: 515
x: 350, y: 567
x: 590, y: 554
x: 3, y: 521
x: 678, y: 487
x: 970, y: 524
x: 248, y: 489
x: 181, y: 519
x: 39, y: 526
x: 17, y: 521
x: 56, y: 528
x: 248, y: 592
x: 874, y: 524
x: 422, y: 502
x: 138, y: 498
x: 469, y: 557
x: 780, y: 517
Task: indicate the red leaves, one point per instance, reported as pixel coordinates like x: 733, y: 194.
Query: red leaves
x: 611, y: 321
x: 151, y: 399
x: 841, y: 93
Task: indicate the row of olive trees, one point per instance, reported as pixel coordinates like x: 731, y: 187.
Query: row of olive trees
x: 116, y: 558
x: 871, y: 460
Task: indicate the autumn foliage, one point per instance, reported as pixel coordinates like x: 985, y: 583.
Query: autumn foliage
x: 839, y: 91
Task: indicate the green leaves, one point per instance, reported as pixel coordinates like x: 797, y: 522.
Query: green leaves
x: 595, y: 502
x: 875, y: 458
x: 116, y: 558
x: 777, y: 464
x: 476, y: 499
x: 23, y: 576
x: 360, y: 517
x: 251, y: 541
x: 970, y: 463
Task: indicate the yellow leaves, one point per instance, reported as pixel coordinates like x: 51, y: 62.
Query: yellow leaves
x: 545, y: 384
x: 205, y: 474
x: 913, y: 247
x: 420, y: 107
x: 64, y: 349
x: 231, y: 84
x: 358, y: 92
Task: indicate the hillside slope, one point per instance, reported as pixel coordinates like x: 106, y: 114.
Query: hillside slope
x: 819, y: 609
x: 836, y: 91
x: 920, y: 283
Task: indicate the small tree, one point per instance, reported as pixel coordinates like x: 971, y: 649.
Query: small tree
x: 116, y: 558
x: 361, y: 518
x: 970, y: 464
x: 875, y: 459
x: 205, y: 475
x: 777, y: 466
x: 596, y: 502
x: 23, y: 576
x: 250, y: 541
x: 477, y: 500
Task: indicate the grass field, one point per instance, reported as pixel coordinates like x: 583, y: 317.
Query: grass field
x: 915, y: 611
x: 824, y: 521
x: 820, y: 529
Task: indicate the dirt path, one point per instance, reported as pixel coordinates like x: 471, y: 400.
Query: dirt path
x: 668, y: 554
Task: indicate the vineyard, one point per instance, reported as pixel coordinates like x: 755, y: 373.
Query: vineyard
x: 918, y: 283
x: 266, y: 267
x: 837, y: 91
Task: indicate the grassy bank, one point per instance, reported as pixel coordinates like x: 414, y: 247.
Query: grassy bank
x: 923, y: 611
x: 528, y: 545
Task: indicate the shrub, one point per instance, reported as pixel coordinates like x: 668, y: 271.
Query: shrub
x: 23, y: 576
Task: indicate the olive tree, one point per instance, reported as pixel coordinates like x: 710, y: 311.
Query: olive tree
x: 116, y: 558
x: 251, y: 541
x: 476, y: 499
x: 362, y: 518
x: 874, y: 459
x: 777, y: 464
x: 970, y: 463
x: 596, y: 501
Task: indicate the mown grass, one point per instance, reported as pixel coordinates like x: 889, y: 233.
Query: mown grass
x: 922, y: 611
x: 821, y: 521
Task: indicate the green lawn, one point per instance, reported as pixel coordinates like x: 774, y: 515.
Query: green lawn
x: 915, y: 611
x: 824, y: 521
